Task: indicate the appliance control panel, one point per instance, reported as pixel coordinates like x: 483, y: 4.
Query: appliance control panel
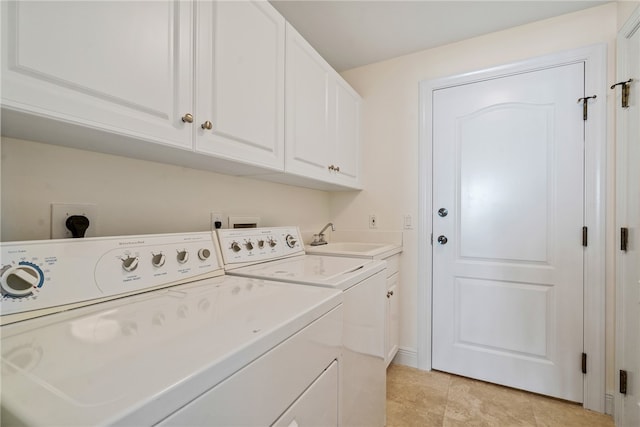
x: 241, y: 247
x: 49, y: 273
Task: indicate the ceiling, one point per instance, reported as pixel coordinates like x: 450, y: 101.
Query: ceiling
x: 350, y: 34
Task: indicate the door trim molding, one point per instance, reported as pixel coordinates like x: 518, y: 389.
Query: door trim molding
x: 626, y: 32
x: 595, y: 60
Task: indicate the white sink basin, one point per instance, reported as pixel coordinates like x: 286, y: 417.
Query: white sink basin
x: 353, y: 249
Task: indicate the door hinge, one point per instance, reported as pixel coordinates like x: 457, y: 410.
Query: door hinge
x: 584, y: 236
x: 623, y: 381
x: 625, y: 92
x: 624, y: 239
x: 584, y: 363
x: 585, y: 105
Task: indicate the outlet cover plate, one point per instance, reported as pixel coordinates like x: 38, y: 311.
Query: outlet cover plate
x: 61, y: 211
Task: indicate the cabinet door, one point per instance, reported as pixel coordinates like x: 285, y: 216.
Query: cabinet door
x: 240, y: 82
x: 347, y: 134
x: 392, y: 315
x: 123, y: 67
x: 308, y: 121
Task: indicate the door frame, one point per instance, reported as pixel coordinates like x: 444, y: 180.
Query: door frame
x: 595, y: 60
x: 628, y: 29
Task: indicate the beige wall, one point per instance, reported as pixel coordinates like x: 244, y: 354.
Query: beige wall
x: 137, y: 197
x: 390, y: 133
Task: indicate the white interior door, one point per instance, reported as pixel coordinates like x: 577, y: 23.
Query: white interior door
x: 508, y: 160
x: 627, y: 405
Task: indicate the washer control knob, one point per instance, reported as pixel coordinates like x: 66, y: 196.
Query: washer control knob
x: 183, y: 256
x: 20, y: 281
x: 249, y: 245
x: 272, y: 242
x: 158, y: 260
x: 204, y: 254
x: 235, y: 247
x: 130, y: 263
x: 260, y: 244
x: 291, y: 241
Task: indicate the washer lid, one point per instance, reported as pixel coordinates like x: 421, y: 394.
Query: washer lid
x: 137, y: 359
x: 316, y: 270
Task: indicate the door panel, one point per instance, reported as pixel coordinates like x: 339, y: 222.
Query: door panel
x: 502, y: 176
x: 508, y: 282
x: 508, y: 328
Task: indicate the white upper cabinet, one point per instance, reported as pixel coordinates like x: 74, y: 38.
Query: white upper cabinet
x: 142, y: 78
x: 240, y: 64
x: 123, y: 67
x: 347, y: 134
x: 322, y: 118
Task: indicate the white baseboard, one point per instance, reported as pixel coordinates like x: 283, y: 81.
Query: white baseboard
x: 608, y: 403
x: 406, y: 357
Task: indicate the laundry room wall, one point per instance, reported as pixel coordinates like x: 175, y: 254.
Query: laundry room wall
x: 135, y: 196
x: 390, y: 136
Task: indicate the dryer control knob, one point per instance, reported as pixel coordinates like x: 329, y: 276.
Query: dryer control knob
x: 260, y: 244
x: 291, y: 241
x: 249, y: 245
x: 272, y: 242
x: 158, y: 260
x: 204, y: 254
x: 183, y: 256
x: 130, y: 263
x: 235, y: 247
x: 20, y: 281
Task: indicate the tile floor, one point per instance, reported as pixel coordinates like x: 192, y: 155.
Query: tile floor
x: 426, y: 399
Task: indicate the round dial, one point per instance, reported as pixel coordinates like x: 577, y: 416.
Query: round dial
x: 158, y: 260
x: 260, y: 243
x: 249, y: 245
x: 272, y: 242
x: 21, y: 280
x: 204, y: 254
x: 291, y: 241
x: 130, y: 263
x: 183, y: 256
x: 235, y: 247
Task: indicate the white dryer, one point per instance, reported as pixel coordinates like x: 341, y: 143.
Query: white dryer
x: 147, y: 330
x: 278, y: 254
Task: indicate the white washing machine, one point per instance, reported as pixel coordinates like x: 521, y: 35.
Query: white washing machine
x: 278, y: 254
x: 147, y: 330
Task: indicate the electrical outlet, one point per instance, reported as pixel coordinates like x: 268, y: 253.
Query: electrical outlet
x: 61, y: 211
x: 373, y: 221
x: 216, y: 220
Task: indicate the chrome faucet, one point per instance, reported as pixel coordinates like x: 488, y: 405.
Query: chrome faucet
x: 318, y: 239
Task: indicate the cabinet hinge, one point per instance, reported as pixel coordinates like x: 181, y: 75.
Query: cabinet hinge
x: 584, y: 363
x: 624, y: 239
x: 623, y: 381
x: 584, y: 236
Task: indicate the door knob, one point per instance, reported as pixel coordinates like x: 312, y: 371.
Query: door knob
x: 187, y: 118
x: 443, y: 212
x: 207, y: 125
x: 442, y: 240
